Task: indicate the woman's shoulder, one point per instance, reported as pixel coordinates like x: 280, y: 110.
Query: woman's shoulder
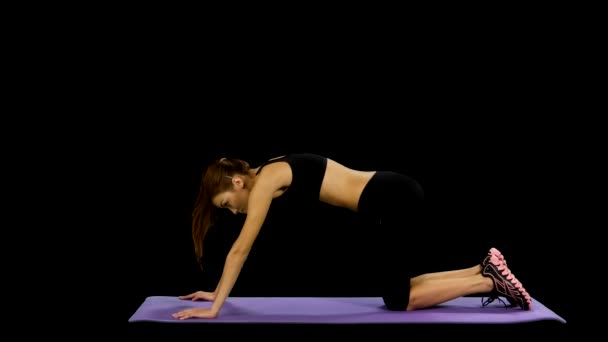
x: 295, y: 159
x: 276, y: 174
x: 270, y: 161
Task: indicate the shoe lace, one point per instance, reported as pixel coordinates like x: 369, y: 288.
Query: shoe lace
x: 492, y: 299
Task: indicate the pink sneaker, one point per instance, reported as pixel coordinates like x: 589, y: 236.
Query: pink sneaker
x: 505, y: 283
x: 496, y: 252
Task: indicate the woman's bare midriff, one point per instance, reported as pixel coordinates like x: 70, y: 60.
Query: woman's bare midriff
x: 343, y: 186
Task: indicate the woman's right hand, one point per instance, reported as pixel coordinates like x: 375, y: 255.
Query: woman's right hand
x: 199, y: 295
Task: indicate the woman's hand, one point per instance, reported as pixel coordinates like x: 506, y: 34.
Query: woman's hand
x: 195, y: 313
x: 199, y: 295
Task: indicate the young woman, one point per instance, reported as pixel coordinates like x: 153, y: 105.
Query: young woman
x: 393, y: 200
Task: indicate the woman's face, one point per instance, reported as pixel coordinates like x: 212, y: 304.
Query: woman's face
x: 234, y: 199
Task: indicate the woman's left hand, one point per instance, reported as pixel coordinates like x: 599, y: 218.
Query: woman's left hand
x: 195, y: 313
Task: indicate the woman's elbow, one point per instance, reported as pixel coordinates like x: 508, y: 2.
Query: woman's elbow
x: 239, y: 252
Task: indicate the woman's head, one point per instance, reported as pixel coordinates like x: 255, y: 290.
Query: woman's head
x: 223, y: 185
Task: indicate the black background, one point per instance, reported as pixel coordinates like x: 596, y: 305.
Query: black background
x: 484, y: 112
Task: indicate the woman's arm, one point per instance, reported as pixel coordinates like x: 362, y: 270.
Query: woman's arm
x: 259, y: 201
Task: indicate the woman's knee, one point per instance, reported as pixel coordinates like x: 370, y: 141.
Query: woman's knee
x: 396, y: 303
x: 397, y: 294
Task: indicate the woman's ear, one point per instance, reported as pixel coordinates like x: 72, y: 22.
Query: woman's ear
x: 237, y: 181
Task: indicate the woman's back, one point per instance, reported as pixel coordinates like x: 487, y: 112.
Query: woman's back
x: 314, y: 177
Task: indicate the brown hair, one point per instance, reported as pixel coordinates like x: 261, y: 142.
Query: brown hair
x: 215, y: 179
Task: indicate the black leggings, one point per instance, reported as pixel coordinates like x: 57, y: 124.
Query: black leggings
x: 393, y: 202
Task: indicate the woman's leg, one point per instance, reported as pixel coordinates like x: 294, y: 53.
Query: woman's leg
x: 432, y: 291
x: 466, y: 272
x: 462, y: 272
x: 384, y: 198
x: 495, y: 279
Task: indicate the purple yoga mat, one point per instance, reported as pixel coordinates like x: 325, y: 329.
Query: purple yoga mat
x: 339, y: 310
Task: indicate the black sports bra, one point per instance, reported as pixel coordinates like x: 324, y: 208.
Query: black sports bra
x: 307, y: 171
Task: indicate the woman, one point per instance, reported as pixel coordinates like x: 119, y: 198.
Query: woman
x: 391, y: 199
